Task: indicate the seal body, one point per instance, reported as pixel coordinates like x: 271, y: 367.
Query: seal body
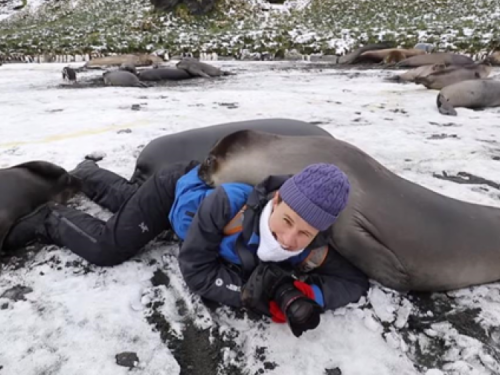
x: 392, y: 54
x: 26, y: 186
x: 136, y: 60
x: 454, y: 74
x: 352, y: 57
x: 199, y: 69
x: 435, y: 58
x: 122, y: 78
x: 478, y: 93
x: 194, y: 144
x: 412, y: 74
x: 164, y: 74
x: 399, y: 233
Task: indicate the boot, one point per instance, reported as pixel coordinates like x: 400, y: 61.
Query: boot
x: 28, y: 229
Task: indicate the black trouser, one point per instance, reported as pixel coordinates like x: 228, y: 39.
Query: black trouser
x: 140, y: 214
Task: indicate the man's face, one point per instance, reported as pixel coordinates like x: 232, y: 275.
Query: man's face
x: 289, y: 229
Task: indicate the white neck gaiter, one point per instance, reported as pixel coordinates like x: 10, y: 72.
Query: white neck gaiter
x: 269, y: 249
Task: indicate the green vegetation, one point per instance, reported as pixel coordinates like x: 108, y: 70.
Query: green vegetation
x: 326, y: 26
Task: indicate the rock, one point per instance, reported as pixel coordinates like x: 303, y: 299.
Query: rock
x: 135, y: 107
x: 96, y: 156
x: 124, y: 131
x: 292, y: 55
x: 427, y: 47
x: 127, y: 359
x: 333, y: 371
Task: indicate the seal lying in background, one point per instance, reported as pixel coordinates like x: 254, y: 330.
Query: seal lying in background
x: 378, y: 56
x: 454, y: 74
x: 200, y: 69
x: 412, y: 74
x: 435, y: 58
x: 117, y: 60
x: 122, y: 78
x: 477, y: 93
x: 400, y: 234
x: 161, y: 74
x: 351, y: 58
x: 26, y: 186
x: 194, y: 144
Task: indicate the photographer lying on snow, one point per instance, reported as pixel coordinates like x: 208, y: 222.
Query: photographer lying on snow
x: 260, y: 248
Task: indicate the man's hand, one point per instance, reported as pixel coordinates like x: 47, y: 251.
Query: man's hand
x: 262, y: 285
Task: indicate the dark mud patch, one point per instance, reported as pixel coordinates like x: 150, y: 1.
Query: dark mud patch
x: 198, y: 351
x: 442, y: 136
x: 228, y: 105
x: 435, y: 308
x: 17, y: 259
x: 467, y: 178
x: 16, y: 293
x: 447, y: 124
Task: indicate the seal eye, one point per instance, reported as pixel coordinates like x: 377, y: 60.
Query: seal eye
x: 209, y: 160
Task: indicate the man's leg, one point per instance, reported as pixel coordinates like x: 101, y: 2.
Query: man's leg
x: 139, y: 220
x: 104, y: 187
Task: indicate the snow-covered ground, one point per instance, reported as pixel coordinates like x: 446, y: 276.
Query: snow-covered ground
x: 73, y: 318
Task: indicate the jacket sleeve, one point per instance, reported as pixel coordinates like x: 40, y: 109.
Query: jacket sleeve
x: 203, y: 270
x: 337, y: 282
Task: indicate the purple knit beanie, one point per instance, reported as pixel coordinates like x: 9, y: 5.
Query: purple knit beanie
x: 317, y: 194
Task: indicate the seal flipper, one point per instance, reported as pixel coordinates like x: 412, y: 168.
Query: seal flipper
x: 444, y: 106
x: 198, y: 72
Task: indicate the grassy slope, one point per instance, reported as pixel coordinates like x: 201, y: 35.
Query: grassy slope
x: 327, y: 26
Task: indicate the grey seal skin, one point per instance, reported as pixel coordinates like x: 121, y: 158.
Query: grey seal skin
x: 122, y: 78
x: 454, y: 74
x: 164, y: 74
x: 435, y: 58
x: 200, y: 69
x: 478, y: 93
x: 399, y: 233
x: 352, y: 57
x: 26, y: 186
x: 412, y: 74
x: 129, y: 67
x: 194, y: 144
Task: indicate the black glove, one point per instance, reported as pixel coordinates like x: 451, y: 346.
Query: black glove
x: 302, y: 312
x: 261, y: 286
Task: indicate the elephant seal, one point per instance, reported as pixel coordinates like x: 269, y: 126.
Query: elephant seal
x: 194, y: 144
x: 399, y: 233
x: 109, y: 61
x: 26, y: 186
x: 128, y: 67
x: 199, y: 69
x: 493, y: 59
x: 394, y: 57
x: 351, y: 58
x: 454, y: 74
x: 122, y: 78
x: 477, y: 93
x: 69, y: 74
x: 380, y: 55
x: 435, y: 58
x: 164, y: 74
x: 412, y: 74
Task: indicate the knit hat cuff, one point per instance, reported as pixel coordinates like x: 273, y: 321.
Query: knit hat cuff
x: 304, y: 207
